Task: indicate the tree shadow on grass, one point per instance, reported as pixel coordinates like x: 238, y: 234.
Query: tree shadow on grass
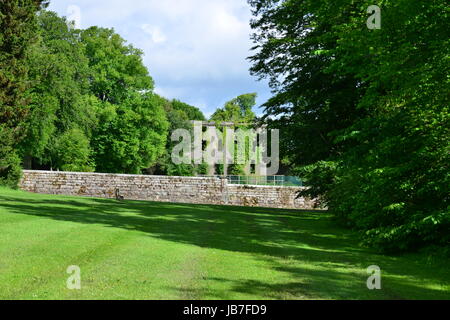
x: 272, y: 235
x: 252, y: 230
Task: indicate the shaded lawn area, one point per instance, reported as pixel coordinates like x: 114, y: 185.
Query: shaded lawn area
x: 146, y: 250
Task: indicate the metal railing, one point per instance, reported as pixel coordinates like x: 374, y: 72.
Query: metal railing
x: 284, y: 181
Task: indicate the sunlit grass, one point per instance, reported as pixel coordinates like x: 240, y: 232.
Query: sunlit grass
x: 144, y: 250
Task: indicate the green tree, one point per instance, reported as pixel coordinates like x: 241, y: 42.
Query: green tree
x: 17, y: 26
x: 131, y: 136
x: 117, y: 67
x: 363, y: 113
x: 238, y: 110
x: 180, y: 116
x: 59, y: 98
x: 73, y: 152
x: 133, y: 126
x: 10, y: 169
x: 191, y: 112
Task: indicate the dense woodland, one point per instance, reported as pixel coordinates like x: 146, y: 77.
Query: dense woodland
x: 364, y: 113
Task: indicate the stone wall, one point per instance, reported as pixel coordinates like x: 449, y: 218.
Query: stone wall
x: 161, y: 188
x: 267, y: 196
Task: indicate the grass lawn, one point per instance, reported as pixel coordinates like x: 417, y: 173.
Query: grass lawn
x: 146, y: 250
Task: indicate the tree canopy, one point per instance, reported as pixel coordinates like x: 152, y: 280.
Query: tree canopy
x: 364, y: 113
x: 237, y: 110
x: 84, y: 99
x: 17, y: 35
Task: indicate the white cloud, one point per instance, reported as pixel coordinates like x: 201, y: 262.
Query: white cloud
x: 155, y: 32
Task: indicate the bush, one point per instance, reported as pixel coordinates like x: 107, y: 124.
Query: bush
x: 10, y: 169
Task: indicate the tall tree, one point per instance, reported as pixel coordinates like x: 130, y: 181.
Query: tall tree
x: 17, y: 33
x: 133, y: 125
x: 131, y: 136
x: 117, y: 66
x: 364, y: 113
x: 59, y: 99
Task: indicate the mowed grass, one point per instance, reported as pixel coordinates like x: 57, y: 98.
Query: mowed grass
x: 145, y: 250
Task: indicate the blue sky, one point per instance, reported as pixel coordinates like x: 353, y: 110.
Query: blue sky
x: 194, y: 49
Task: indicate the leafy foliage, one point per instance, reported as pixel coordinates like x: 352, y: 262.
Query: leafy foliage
x: 238, y: 110
x: 131, y: 136
x: 59, y: 96
x: 10, y: 168
x: 73, y: 151
x: 84, y: 100
x: 179, y: 115
x: 17, y: 26
x: 364, y: 112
